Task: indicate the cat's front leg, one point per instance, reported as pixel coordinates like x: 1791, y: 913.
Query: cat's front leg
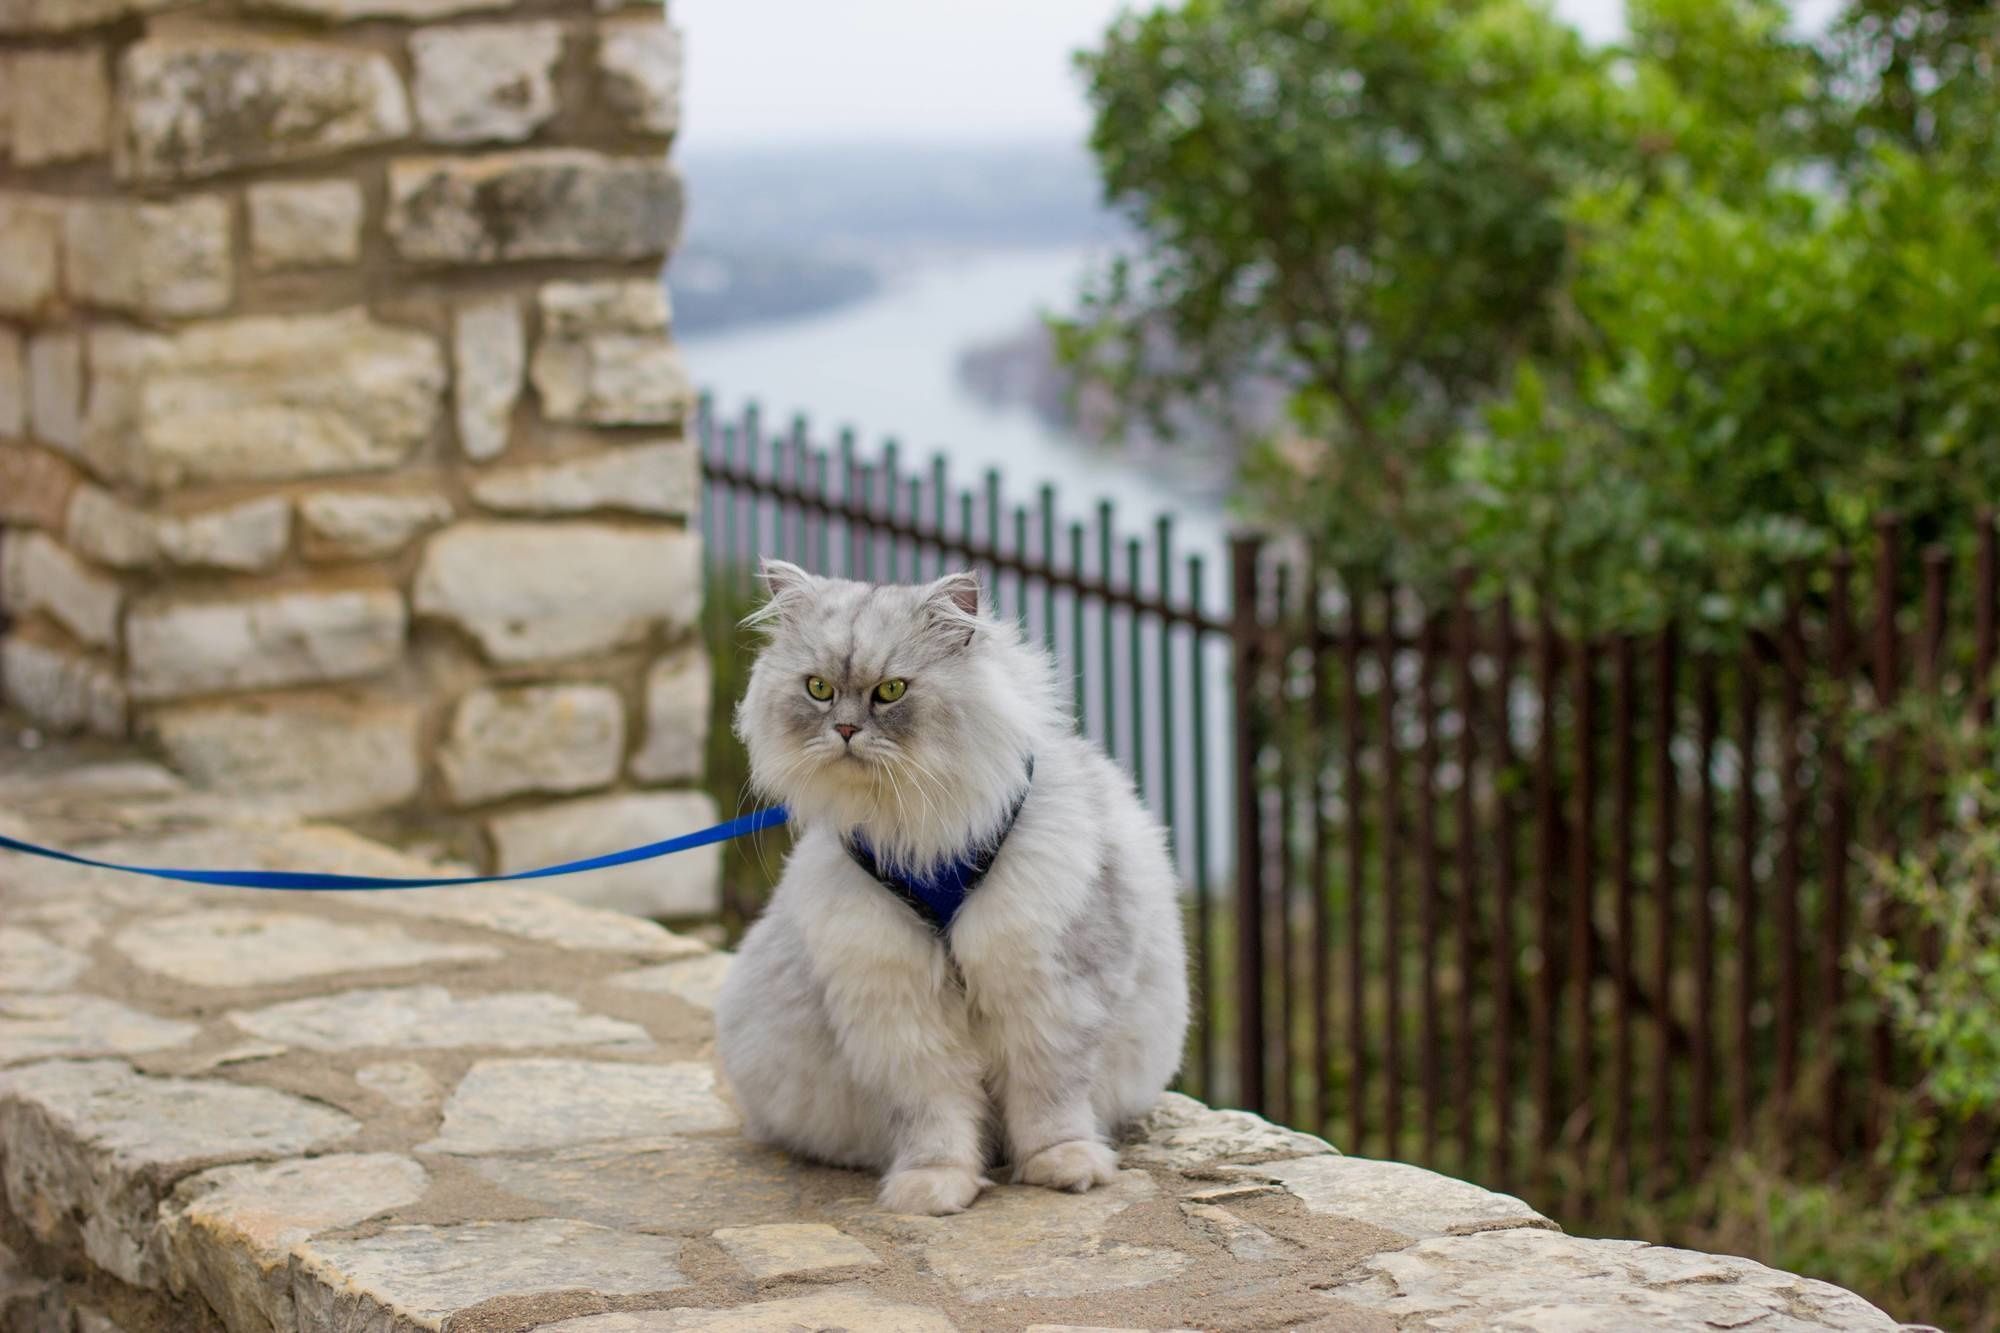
x: 1052, y: 1130
x: 939, y: 1153
x: 899, y: 1019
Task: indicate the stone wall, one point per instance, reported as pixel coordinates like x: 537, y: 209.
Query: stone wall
x: 488, y: 1110
x: 342, y: 450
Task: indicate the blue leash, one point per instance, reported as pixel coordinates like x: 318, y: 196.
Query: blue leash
x: 294, y: 879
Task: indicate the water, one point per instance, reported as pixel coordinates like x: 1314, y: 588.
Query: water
x: 885, y: 366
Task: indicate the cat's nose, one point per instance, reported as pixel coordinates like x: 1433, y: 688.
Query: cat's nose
x: 846, y: 730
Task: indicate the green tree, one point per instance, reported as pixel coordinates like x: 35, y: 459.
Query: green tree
x: 1363, y: 201
x: 1630, y: 328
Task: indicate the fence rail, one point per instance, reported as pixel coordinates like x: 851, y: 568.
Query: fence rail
x: 1567, y: 916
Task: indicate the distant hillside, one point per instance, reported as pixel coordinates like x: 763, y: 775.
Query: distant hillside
x: 1022, y: 369
x: 871, y: 196
x: 782, y: 233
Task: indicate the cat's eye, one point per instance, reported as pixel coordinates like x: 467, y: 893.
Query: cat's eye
x: 818, y: 688
x: 890, y: 690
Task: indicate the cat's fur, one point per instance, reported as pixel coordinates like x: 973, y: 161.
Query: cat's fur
x: 1055, y: 1011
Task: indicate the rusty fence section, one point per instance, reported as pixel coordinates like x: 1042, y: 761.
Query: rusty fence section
x: 1566, y: 917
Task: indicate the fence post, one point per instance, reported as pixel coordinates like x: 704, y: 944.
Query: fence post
x: 1244, y: 634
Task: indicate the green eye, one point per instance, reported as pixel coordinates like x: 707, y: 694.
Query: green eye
x: 890, y: 690
x: 818, y: 688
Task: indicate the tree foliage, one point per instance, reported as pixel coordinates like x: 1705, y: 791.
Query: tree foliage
x: 1631, y: 327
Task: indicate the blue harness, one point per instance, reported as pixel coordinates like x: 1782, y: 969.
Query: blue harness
x: 937, y: 895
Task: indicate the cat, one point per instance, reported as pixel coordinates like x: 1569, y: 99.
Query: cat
x: 907, y: 730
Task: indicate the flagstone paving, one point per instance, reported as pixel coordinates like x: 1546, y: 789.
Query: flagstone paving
x: 490, y: 1111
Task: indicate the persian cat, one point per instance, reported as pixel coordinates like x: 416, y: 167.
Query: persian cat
x: 922, y: 747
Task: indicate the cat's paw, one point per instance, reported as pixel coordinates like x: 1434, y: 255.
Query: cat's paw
x: 1074, y: 1166
x: 931, y: 1191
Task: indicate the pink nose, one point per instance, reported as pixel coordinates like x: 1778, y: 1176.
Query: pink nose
x: 846, y: 730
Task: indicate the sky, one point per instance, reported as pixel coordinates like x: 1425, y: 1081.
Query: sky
x: 768, y: 72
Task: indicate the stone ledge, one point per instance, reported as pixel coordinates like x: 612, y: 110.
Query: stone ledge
x: 492, y: 1109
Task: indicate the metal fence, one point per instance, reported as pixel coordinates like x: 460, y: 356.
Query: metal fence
x: 1563, y: 916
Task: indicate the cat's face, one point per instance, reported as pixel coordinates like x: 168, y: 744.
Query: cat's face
x: 863, y: 695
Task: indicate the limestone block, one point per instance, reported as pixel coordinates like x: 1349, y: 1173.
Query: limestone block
x: 639, y: 63
x: 652, y: 1180
x: 535, y: 915
x: 1407, y: 1200
x: 538, y: 592
x: 55, y: 388
x: 532, y: 204
x: 162, y: 260
x: 1244, y: 1240
x: 346, y: 11
x: 38, y: 574
x: 678, y: 691
x: 71, y: 1027
x: 35, y: 486
x: 30, y: 244
x: 572, y: 310
x: 30, y: 960
x: 518, y: 1105
x: 178, y: 648
x: 696, y: 980
x: 490, y: 353
x: 613, y: 380
x: 604, y: 356
x: 1539, y: 1279
x: 304, y: 224
x: 240, y: 946
x: 403, y: 1083
x: 429, y: 1018
x: 307, y: 754
x: 1181, y: 1133
x: 268, y: 398
x: 545, y: 738
x: 87, y: 1146
x: 60, y: 690
x: 1023, y: 1242
x: 201, y: 103
x: 246, y: 538
x: 61, y: 106
x: 492, y: 83
x: 845, y: 1307
x: 781, y: 1249
x: 362, y: 525
x: 412, y: 1277
x: 661, y: 479
x: 13, y: 385
x: 229, y: 1233
x: 684, y: 885
x: 99, y: 526
x: 51, y: 16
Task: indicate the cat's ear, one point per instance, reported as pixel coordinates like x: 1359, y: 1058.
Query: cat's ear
x: 960, y: 590
x: 782, y: 578
x: 954, y: 604
x: 785, y: 586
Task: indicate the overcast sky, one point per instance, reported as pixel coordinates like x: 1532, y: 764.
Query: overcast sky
x: 801, y: 71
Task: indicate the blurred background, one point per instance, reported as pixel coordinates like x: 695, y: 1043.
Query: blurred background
x: 1669, y: 327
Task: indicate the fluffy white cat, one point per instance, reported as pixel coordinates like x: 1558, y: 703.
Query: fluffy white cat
x: 1051, y: 1011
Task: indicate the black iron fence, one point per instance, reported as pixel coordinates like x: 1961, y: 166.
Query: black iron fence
x: 1566, y: 916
